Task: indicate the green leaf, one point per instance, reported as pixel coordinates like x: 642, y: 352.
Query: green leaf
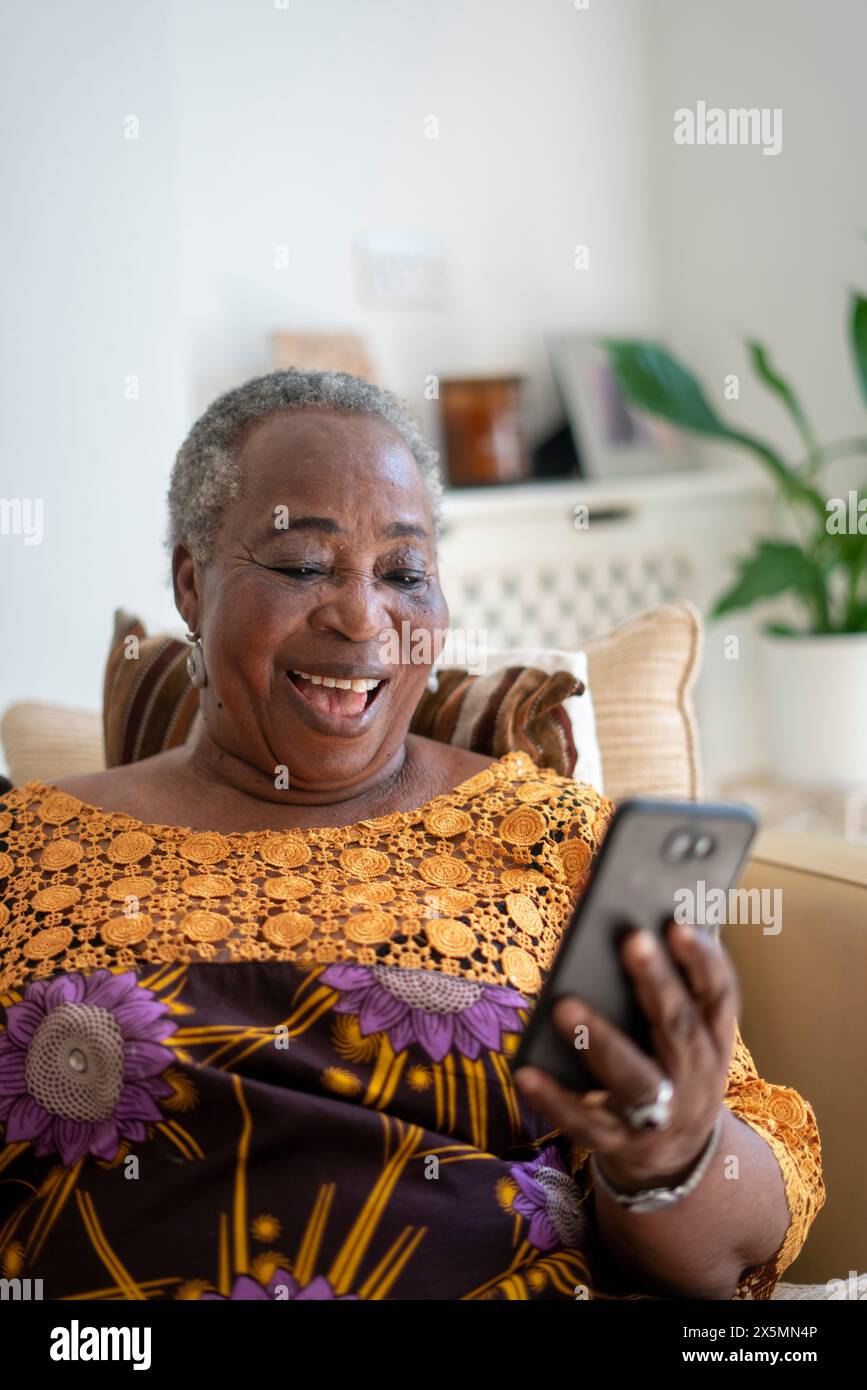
x: 765, y: 372
x: 774, y: 568
x: 656, y: 381
x: 859, y: 338
x: 847, y: 548
x: 856, y: 619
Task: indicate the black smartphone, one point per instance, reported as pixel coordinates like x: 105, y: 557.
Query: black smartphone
x: 660, y: 860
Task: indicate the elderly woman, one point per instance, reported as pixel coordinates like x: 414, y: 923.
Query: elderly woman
x: 260, y: 991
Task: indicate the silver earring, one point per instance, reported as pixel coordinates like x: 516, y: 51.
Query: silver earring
x: 196, y: 662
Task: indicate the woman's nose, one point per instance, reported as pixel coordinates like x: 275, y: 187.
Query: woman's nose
x: 356, y: 608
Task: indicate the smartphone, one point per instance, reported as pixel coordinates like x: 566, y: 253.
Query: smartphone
x: 656, y: 854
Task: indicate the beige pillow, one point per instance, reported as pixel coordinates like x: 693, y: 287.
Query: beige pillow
x: 44, y: 742
x: 641, y: 676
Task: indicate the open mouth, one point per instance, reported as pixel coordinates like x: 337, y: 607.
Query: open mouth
x: 343, y: 697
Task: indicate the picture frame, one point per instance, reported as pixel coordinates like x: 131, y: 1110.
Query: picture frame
x: 612, y: 438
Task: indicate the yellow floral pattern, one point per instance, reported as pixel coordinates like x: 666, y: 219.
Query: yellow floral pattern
x: 509, y: 848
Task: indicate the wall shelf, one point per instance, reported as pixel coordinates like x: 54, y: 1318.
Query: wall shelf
x: 540, y: 495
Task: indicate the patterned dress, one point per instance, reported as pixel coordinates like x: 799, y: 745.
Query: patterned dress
x: 275, y: 1065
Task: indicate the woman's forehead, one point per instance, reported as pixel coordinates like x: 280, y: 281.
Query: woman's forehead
x: 333, y: 458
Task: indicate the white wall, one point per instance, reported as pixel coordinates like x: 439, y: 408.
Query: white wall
x: 259, y: 127
x: 764, y: 246
x: 756, y: 245
x: 89, y: 298
x: 306, y: 126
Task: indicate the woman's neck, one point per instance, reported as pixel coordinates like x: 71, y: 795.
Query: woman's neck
x: 237, y: 789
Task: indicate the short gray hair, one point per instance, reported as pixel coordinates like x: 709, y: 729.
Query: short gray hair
x: 207, y: 474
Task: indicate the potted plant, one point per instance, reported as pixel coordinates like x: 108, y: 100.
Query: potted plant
x: 817, y: 663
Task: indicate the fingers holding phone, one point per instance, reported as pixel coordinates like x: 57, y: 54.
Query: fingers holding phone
x: 688, y: 994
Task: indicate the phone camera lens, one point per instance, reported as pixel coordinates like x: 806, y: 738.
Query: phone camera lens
x: 703, y: 847
x: 678, y: 846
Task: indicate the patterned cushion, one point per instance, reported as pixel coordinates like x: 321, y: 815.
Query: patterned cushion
x: 515, y: 708
x: 149, y: 704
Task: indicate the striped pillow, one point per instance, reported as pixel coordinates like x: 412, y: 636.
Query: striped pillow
x: 515, y: 707
x: 149, y: 704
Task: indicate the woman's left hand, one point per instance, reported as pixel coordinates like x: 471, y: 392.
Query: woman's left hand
x: 692, y: 1028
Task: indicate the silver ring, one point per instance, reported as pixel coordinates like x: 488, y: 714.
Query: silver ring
x: 657, y: 1113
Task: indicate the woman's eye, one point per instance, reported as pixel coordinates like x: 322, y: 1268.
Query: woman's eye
x: 406, y: 579
x: 300, y: 571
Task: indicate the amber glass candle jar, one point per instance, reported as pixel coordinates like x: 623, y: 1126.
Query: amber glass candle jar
x: 482, y: 431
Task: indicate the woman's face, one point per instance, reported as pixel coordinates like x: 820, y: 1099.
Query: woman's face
x: 329, y: 550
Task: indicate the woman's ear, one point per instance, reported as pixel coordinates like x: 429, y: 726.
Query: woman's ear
x: 185, y: 579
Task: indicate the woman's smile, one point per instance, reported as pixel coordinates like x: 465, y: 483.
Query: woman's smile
x: 339, y: 701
